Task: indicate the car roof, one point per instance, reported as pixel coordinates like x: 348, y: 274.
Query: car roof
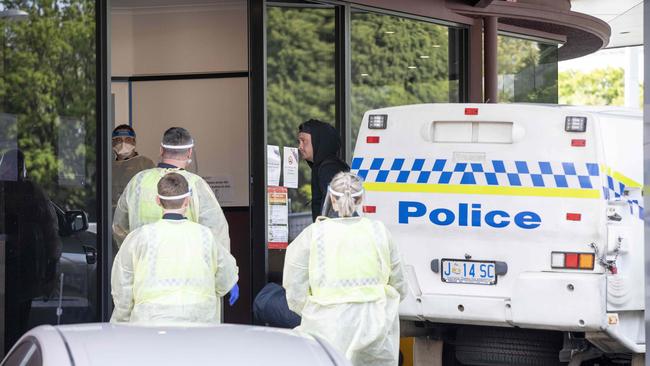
x: 109, y: 344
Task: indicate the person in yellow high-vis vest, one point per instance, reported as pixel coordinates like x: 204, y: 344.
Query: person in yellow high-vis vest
x: 137, y: 205
x: 344, y: 277
x: 172, y: 270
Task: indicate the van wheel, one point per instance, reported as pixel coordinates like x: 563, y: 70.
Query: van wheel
x: 488, y: 346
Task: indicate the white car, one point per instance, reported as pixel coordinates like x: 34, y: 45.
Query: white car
x: 102, y: 344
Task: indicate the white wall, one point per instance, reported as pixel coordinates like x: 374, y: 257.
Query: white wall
x: 211, y: 109
x: 172, y: 40
x: 120, y: 91
x: 167, y: 39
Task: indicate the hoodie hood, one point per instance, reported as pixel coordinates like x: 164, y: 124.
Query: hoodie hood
x: 325, y: 140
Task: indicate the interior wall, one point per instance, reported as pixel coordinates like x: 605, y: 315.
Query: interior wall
x: 213, y: 112
x: 122, y: 52
x: 159, y: 41
x: 191, y: 40
x: 173, y: 40
x: 120, y: 91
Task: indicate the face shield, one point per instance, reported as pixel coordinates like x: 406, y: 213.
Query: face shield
x: 192, y: 162
x: 328, y: 208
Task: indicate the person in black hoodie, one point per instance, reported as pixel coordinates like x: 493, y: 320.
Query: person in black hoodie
x: 319, y: 146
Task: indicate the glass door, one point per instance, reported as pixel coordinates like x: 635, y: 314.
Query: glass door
x: 48, y: 160
x: 300, y: 86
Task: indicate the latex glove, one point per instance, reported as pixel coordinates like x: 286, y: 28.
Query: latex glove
x: 234, y: 295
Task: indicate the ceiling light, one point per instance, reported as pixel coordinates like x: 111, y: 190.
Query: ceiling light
x: 389, y: 32
x: 413, y: 67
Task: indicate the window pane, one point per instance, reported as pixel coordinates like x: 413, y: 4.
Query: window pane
x: 300, y: 86
x: 527, y: 71
x: 47, y: 171
x: 398, y: 61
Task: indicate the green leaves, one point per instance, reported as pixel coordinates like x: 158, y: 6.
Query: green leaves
x: 300, y: 69
x: 48, y: 79
x: 604, y: 86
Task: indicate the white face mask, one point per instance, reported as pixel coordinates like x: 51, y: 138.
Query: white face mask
x: 123, y: 150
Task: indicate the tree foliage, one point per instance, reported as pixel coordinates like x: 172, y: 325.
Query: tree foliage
x: 395, y: 61
x: 604, y: 86
x: 48, y: 84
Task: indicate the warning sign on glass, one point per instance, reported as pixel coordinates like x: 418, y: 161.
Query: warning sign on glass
x: 278, y: 217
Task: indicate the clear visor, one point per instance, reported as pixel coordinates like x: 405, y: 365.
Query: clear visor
x: 328, y: 208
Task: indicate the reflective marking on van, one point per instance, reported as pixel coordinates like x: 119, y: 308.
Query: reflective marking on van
x: 628, y: 182
x: 503, y: 173
x: 483, y: 190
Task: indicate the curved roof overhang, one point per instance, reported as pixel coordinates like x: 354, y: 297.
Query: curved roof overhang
x: 584, y: 34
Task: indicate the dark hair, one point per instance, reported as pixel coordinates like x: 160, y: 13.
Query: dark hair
x: 172, y: 184
x: 176, y: 136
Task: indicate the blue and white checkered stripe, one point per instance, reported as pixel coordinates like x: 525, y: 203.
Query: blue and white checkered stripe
x: 614, y: 190
x: 547, y: 174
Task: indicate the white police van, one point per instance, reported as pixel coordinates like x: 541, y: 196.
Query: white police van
x: 521, y: 226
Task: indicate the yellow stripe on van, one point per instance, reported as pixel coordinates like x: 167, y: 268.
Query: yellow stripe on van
x: 629, y: 182
x: 485, y: 190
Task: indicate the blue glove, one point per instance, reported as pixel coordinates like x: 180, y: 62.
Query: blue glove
x: 234, y: 295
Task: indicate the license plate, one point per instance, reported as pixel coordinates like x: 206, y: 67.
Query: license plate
x: 466, y: 271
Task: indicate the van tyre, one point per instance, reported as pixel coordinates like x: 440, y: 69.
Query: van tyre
x: 486, y: 346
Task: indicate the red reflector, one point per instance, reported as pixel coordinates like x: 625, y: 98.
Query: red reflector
x: 369, y: 209
x: 471, y: 111
x: 573, y: 216
x: 372, y: 139
x: 571, y: 260
x: 579, y: 142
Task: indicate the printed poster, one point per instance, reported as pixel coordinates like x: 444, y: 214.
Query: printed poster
x: 290, y: 178
x: 273, y: 161
x: 278, y: 217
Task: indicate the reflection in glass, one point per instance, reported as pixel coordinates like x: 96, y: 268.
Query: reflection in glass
x: 300, y: 86
x: 398, y: 61
x: 47, y: 166
x: 527, y: 71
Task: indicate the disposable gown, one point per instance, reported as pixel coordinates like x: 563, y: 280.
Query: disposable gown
x: 171, y: 271
x: 140, y: 196
x: 360, y: 321
x: 124, y: 170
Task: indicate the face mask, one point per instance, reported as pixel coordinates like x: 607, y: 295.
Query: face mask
x: 123, y: 150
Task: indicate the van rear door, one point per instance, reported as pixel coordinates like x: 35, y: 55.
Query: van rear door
x: 476, y: 195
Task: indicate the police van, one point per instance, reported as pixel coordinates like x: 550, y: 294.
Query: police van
x: 521, y: 226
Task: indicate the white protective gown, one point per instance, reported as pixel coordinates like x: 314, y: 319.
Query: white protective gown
x: 203, y: 208
x: 171, y: 271
x: 367, y: 333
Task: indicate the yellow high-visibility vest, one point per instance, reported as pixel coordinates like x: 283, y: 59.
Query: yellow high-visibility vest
x: 142, y: 205
x: 348, y: 262
x: 177, y: 268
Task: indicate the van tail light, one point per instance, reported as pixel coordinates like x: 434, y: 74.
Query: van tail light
x: 564, y: 260
x: 573, y: 217
x: 372, y: 139
x: 578, y: 142
x: 471, y: 111
x: 369, y: 209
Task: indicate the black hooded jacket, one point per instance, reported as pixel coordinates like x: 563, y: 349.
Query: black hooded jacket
x: 326, y: 144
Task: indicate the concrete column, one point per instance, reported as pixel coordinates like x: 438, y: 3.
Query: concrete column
x: 490, y: 71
